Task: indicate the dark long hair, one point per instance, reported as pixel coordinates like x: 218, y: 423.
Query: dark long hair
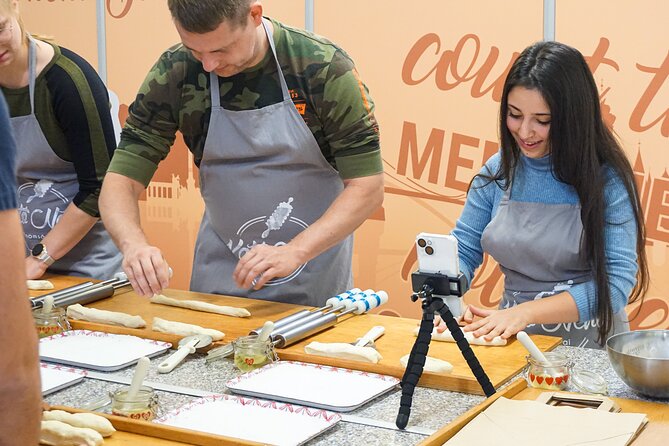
x: 580, y: 145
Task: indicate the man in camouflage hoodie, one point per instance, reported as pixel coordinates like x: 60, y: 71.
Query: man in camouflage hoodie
x: 283, y: 132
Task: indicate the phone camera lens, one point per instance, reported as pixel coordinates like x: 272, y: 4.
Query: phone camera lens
x: 429, y: 250
x: 421, y: 243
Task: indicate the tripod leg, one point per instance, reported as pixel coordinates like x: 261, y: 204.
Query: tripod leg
x: 415, y: 366
x: 439, y: 306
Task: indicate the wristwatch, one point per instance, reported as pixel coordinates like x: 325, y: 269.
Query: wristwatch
x: 40, y: 253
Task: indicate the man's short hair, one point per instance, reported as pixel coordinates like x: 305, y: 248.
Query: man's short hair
x: 203, y: 16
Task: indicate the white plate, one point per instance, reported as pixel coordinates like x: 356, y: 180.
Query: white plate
x: 57, y: 377
x: 314, y: 385
x: 251, y: 419
x: 97, y: 350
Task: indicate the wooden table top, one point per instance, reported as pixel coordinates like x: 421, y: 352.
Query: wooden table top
x: 500, y: 363
x: 654, y: 433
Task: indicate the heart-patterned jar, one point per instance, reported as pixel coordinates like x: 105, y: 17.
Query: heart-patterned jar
x: 552, y: 375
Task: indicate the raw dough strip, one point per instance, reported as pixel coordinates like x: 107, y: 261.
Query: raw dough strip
x: 57, y: 433
x: 448, y: 337
x: 79, y: 312
x: 431, y: 364
x: 182, y: 329
x: 343, y: 351
x: 89, y: 420
x: 39, y: 285
x: 200, y: 306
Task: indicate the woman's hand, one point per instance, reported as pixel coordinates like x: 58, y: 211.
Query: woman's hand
x: 466, y: 318
x: 504, y: 323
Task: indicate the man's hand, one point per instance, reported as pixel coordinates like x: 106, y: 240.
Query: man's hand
x: 146, y: 269
x: 34, y: 268
x: 360, y: 197
x: 264, y: 262
x: 144, y: 264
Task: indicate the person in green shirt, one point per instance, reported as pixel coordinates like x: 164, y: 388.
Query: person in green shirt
x: 284, y: 134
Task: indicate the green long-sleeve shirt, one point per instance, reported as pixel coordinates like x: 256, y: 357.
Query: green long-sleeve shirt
x: 323, y: 84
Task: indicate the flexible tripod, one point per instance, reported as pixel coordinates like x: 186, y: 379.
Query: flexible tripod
x: 445, y: 286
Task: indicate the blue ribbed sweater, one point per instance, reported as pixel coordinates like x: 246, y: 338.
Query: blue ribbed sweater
x: 531, y: 184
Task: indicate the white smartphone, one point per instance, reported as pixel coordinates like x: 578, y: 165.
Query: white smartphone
x: 438, y: 254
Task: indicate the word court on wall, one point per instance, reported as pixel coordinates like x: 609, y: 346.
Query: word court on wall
x: 437, y: 84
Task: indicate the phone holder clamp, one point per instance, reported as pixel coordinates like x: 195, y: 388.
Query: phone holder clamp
x: 426, y: 286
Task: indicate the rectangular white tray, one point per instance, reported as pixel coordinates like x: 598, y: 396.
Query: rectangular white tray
x: 251, y: 419
x: 314, y: 385
x: 97, y: 350
x: 56, y: 377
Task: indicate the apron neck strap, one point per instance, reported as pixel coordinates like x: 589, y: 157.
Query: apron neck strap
x: 32, y: 64
x: 506, y: 196
x: 215, y: 92
x: 213, y: 77
x: 282, y: 79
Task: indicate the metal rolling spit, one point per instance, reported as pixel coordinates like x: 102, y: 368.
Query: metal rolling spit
x: 334, y: 303
x: 317, y: 321
x: 83, y: 293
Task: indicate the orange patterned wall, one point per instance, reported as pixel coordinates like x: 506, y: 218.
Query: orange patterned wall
x: 630, y: 61
x: 435, y: 72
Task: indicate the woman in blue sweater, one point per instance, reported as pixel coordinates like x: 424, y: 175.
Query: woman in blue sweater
x: 557, y: 208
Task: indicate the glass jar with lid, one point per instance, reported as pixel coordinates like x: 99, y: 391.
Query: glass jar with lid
x: 559, y: 373
x: 142, y: 406
x: 252, y: 353
x: 49, y: 323
x: 551, y: 375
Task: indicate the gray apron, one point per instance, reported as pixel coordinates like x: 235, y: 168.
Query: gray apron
x: 46, y: 185
x: 264, y: 180
x: 537, y: 246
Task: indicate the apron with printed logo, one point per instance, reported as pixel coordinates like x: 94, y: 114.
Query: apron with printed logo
x: 46, y: 186
x: 264, y: 180
x: 537, y: 246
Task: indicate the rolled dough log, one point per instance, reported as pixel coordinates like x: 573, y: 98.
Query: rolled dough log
x: 448, y: 337
x: 182, y: 329
x: 57, y: 433
x: 431, y: 364
x: 343, y: 351
x: 39, y: 285
x: 79, y: 312
x: 99, y: 424
x: 200, y: 306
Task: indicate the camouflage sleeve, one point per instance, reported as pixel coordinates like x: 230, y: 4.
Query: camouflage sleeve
x: 152, y: 122
x: 347, y: 114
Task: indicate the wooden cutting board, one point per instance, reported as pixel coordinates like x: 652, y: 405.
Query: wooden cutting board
x: 59, y: 282
x: 131, y: 432
x: 657, y: 413
x: 500, y: 363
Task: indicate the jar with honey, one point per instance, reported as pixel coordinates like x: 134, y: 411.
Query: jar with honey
x: 251, y: 353
x: 142, y: 406
x: 49, y: 323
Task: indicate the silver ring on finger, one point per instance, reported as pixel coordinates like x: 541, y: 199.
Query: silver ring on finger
x: 254, y: 282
